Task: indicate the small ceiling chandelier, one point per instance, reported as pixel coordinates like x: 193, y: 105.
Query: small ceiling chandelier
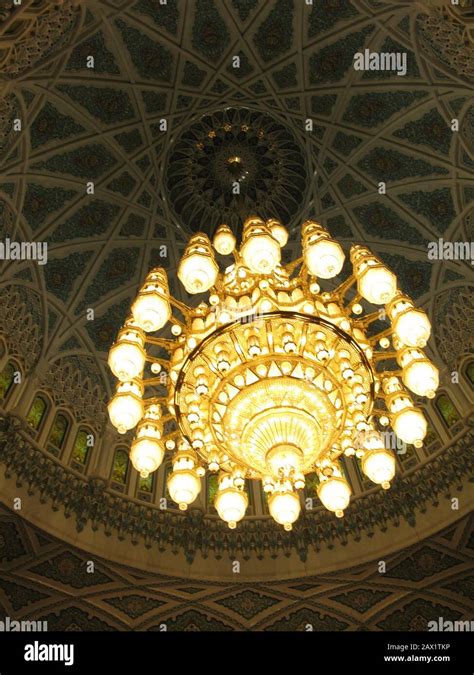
x: 271, y: 378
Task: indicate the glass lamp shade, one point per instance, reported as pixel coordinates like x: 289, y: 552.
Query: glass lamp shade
x: 197, y: 273
x: 421, y: 377
x: 412, y: 327
x: 231, y: 504
x: 284, y: 458
x: 184, y: 485
x: 377, y: 284
x: 324, y: 258
x: 126, y: 408
x: 284, y: 508
x: 410, y: 426
x: 127, y: 359
x: 261, y: 253
x: 146, y: 455
x: 224, y: 240
x: 151, y: 310
x: 335, y: 494
x: 279, y: 232
x: 379, y: 466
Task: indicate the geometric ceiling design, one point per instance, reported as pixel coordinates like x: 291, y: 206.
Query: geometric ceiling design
x: 46, y: 580
x: 174, y: 63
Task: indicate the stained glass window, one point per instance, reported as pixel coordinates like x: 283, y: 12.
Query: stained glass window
x: 37, y: 412
x: 82, y: 445
x: 447, y: 410
x: 212, y: 487
x: 6, y: 379
x: 311, y: 486
x: 470, y: 373
x: 431, y: 435
x: 120, y: 467
x: 146, y: 484
x: 57, y: 435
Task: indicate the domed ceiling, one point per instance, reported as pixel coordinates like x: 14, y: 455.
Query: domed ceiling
x: 143, y: 101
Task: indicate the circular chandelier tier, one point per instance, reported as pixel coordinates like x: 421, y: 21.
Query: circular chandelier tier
x: 279, y: 390
x: 270, y: 377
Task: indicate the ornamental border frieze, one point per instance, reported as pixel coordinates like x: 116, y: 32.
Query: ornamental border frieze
x: 89, y: 500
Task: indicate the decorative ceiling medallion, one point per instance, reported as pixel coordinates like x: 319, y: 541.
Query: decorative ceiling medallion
x: 232, y: 163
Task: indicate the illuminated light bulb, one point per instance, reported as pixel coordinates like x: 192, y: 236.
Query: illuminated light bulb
x: 279, y: 232
x: 260, y: 251
x: 324, y: 258
x: 284, y: 508
x: 184, y: 483
x: 314, y: 288
x: 176, y: 329
x: 197, y: 269
x: 126, y: 408
x: 155, y: 368
x: 410, y: 426
x: 422, y: 377
x: 127, y: 356
x: 146, y: 454
x: 410, y: 325
x: 151, y: 308
x: 384, y: 343
x: 223, y: 361
x: 284, y: 459
x: 230, y: 502
x: 288, y: 343
x: 335, y: 494
x: 224, y: 240
x: 379, y: 466
x: 377, y: 284
x: 214, y: 462
x: 357, y: 308
x: 413, y: 328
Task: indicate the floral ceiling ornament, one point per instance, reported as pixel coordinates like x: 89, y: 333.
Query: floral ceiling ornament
x: 272, y: 377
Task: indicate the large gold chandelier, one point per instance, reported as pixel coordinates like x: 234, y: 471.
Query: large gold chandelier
x: 271, y: 377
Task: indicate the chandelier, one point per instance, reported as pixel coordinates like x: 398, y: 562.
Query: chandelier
x: 271, y: 378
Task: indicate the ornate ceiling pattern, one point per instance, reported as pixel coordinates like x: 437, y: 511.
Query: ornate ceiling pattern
x: 174, y: 63
x: 45, y: 580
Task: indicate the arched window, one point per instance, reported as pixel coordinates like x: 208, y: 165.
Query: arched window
x: 145, y: 487
x: 120, y: 468
x: 58, y: 433
x: 7, y: 379
x: 83, y: 443
x: 470, y: 373
x: 37, y: 413
x: 447, y: 410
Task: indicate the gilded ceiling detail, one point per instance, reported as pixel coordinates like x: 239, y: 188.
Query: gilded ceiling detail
x: 101, y: 121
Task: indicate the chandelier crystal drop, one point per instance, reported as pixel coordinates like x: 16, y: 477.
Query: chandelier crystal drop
x: 269, y: 377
